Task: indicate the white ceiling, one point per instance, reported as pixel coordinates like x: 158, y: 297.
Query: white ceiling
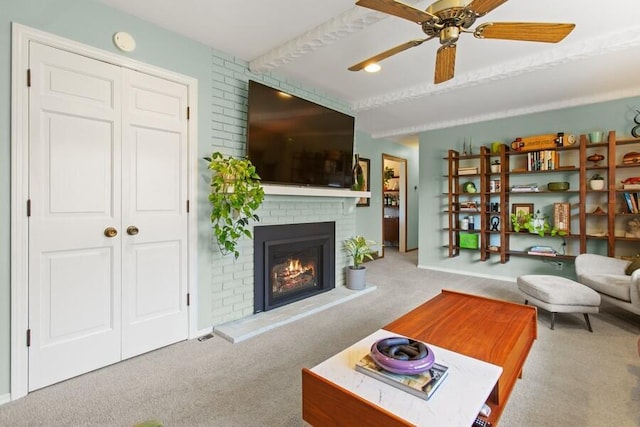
x: 314, y: 41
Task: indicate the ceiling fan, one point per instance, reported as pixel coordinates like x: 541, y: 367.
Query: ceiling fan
x: 447, y: 19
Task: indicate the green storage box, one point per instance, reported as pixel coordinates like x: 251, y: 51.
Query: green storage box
x: 469, y: 240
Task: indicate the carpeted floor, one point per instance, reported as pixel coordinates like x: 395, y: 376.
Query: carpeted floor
x: 571, y: 378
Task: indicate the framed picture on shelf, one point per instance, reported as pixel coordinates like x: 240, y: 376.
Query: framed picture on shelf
x: 365, y: 164
x: 562, y: 216
x: 521, y: 210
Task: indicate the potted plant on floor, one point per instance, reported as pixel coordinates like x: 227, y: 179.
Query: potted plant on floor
x: 236, y: 194
x: 358, y: 249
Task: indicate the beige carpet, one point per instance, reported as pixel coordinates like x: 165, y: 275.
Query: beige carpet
x: 572, y: 377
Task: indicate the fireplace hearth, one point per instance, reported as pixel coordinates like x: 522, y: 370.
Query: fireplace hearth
x: 292, y: 262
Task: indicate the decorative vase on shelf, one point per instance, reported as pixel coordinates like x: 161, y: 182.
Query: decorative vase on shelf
x: 358, y: 175
x: 596, y: 182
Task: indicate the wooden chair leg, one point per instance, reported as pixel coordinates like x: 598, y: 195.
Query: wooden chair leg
x: 586, y: 317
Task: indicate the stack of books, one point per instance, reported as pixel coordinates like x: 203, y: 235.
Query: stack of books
x: 467, y: 170
x: 422, y: 385
x: 525, y: 188
x: 542, y: 250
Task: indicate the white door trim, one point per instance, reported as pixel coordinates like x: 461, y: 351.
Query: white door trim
x: 21, y: 37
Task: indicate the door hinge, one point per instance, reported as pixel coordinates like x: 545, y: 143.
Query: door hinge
x: 187, y: 206
x: 28, y: 207
x: 28, y: 337
x: 28, y: 77
x: 188, y: 113
x: 188, y: 299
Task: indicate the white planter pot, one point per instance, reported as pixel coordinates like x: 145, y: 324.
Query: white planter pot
x: 596, y: 184
x: 356, y: 278
x: 495, y: 168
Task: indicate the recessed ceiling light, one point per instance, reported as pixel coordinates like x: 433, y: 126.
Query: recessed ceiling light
x: 372, y: 68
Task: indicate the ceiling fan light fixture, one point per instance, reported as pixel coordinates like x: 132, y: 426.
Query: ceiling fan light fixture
x: 373, y: 68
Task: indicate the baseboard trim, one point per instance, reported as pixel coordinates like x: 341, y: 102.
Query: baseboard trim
x: 468, y: 273
x: 5, y: 398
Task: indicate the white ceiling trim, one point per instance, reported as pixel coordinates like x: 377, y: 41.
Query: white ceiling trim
x: 351, y: 21
x: 575, y: 102
x: 597, y: 46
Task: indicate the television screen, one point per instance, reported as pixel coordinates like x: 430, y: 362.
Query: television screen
x: 294, y: 141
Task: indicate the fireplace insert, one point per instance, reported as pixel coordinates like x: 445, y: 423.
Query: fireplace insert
x: 292, y: 262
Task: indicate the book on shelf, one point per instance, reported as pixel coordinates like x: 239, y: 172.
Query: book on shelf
x: 542, y: 250
x: 525, y: 188
x: 631, y: 202
x: 422, y: 385
x: 467, y: 171
x: 631, y: 186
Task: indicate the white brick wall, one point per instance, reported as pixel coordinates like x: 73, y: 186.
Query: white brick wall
x: 231, y: 283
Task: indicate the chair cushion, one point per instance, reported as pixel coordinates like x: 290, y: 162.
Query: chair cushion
x: 614, y: 285
x: 557, y: 290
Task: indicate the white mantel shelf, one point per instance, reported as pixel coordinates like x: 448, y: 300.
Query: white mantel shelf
x: 293, y: 190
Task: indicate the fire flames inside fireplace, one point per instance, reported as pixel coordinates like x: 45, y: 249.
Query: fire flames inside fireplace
x: 294, y: 274
x: 292, y: 262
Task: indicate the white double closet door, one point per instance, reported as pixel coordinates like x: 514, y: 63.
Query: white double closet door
x: 108, y: 215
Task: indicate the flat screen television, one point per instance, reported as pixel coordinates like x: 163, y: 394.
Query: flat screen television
x: 297, y: 142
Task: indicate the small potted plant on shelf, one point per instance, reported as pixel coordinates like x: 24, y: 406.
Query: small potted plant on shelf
x: 495, y: 166
x: 358, y: 249
x: 534, y: 223
x: 596, y: 182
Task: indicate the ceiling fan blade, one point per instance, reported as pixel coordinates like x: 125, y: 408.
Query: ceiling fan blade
x: 387, y: 53
x: 399, y: 9
x: 524, y: 31
x: 482, y: 7
x: 445, y: 63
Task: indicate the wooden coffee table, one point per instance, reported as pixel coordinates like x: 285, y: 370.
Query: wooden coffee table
x: 497, y: 332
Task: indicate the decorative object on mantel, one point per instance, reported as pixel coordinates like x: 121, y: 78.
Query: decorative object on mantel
x: 365, y: 166
x: 358, y: 249
x: 236, y: 194
x: 596, y: 182
x: 358, y: 175
x: 635, y: 131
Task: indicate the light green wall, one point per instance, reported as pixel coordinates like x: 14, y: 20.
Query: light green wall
x: 90, y: 23
x: 614, y: 115
x: 369, y: 218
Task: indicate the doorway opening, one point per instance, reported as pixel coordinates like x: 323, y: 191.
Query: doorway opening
x: 394, y: 202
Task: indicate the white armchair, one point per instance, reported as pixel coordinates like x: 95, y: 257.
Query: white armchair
x: 606, y: 275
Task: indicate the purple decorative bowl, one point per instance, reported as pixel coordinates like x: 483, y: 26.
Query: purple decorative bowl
x: 390, y: 358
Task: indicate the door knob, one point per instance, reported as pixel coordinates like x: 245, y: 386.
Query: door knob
x: 132, y: 230
x: 110, y: 232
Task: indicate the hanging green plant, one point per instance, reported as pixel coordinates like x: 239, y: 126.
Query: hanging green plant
x: 236, y: 194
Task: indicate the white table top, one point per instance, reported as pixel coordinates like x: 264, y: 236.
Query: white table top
x: 456, y: 402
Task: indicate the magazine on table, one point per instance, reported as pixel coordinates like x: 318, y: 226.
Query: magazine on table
x: 422, y: 385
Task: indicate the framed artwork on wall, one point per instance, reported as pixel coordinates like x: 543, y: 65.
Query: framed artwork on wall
x: 365, y: 164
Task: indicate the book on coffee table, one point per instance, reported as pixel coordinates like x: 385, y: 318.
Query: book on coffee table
x: 422, y: 385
